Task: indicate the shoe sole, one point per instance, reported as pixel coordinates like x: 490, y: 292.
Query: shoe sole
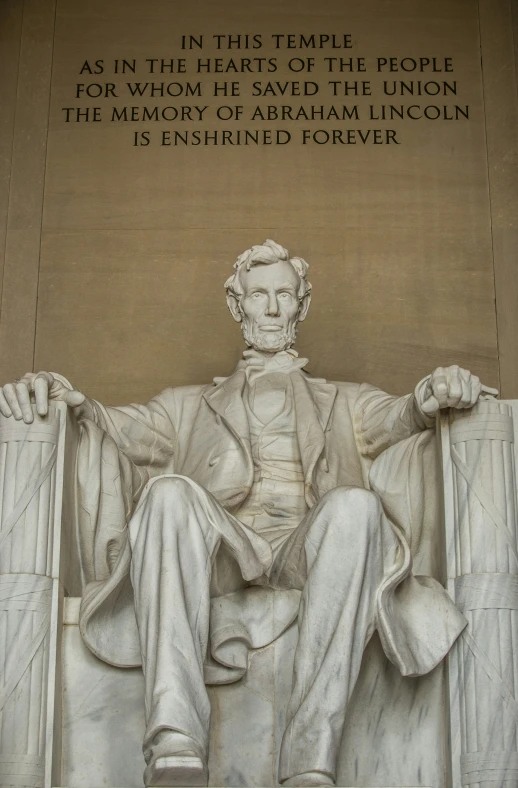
x: 178, y: 770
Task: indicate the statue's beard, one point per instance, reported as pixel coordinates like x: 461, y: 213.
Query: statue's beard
x: 268, y: 341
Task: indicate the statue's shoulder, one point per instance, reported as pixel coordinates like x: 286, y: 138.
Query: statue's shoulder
x: 344, y: 388
x: 183, y: 395
x: 345, y: 385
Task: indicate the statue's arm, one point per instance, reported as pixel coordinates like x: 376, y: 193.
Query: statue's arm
x: 382, y: 420
x: 144, y: 433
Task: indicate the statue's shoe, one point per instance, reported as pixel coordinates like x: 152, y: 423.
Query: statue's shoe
x: 310, y: 780
x: 186, y: 769
x: 174, y: 759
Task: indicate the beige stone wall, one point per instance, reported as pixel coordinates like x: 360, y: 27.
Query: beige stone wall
x: 115, y: 254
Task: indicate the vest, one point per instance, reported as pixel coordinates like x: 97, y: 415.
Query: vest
x: 276, y: 503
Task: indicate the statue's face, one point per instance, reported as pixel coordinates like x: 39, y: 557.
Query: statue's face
x: 270, y: 306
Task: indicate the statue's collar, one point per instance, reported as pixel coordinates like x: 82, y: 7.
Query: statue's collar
x: 256, y: 364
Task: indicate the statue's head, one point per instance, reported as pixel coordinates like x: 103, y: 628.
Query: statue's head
x: 269, y: 293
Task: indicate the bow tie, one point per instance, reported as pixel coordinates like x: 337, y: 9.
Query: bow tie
x: 255, y: 364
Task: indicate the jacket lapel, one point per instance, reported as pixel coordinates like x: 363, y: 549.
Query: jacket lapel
x: 226, y: 399
x: 314, y: 402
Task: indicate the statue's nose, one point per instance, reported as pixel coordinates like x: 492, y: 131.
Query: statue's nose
x: 273, y: 305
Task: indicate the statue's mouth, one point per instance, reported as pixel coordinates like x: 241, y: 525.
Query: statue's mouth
x: 270, y: 328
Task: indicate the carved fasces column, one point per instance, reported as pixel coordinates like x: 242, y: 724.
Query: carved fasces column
x: 482, y: 565
x: 31, y: 466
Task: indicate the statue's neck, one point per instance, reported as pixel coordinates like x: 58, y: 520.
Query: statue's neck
x: 249, y: 351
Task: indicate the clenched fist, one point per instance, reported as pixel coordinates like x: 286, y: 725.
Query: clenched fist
x: 451, y: 387
x: 16, y: 398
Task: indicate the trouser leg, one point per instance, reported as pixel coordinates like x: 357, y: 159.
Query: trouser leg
x: 339, y: 553
x: 173, y: 545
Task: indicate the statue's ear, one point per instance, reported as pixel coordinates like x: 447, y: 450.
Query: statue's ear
x: 235, y: 309
x: 304, y: 306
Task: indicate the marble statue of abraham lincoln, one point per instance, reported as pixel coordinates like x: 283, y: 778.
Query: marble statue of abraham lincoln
x: 213, y: 500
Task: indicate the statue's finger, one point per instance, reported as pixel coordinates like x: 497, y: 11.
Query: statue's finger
x: 48, y: 376
x: 439, y: 383
x: 41, y: 393
x: 430, y: 406
x: 454, y: 388
x: 489, y: 390
x: 427, y: 390
x: 476, y: 389
x: 12, y: 400
x: 28, y: 379
x: 24, y: 398
x: 74, y: 398
x: 466, y: 400
x: 5, y: 410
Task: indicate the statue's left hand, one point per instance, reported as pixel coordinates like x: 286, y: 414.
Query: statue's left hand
x: 40, y: 387
x: 451, y: 387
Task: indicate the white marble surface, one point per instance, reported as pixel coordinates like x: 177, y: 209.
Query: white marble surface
x: 328, y: 500
x: 103, y: 721
x: 32, y: 458
x: 395, y: 732
x: 479, y: 468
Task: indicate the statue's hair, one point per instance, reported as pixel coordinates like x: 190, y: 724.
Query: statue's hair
x: 266, y: 254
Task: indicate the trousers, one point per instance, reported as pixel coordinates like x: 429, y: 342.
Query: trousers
x: 337, y: 557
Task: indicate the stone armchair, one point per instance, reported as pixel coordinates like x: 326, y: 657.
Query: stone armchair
x: 68, y: 719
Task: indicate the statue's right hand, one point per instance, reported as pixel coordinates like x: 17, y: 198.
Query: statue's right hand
x: 38, y: 387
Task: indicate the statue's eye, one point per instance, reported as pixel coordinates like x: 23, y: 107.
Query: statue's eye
x: 257, y: 295
x: 285, y: 296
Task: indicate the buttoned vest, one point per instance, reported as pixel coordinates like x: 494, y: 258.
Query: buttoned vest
x: 276, y: 503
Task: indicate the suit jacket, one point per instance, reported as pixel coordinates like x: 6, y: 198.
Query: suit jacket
x: 202, y: 432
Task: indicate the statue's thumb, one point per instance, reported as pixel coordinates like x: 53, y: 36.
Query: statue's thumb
x: 74, y: 398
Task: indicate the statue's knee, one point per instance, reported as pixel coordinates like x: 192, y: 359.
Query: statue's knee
x: 353, y: 511
x: 167, y: 503
x: 168, y: 489
x: 356, y: 499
